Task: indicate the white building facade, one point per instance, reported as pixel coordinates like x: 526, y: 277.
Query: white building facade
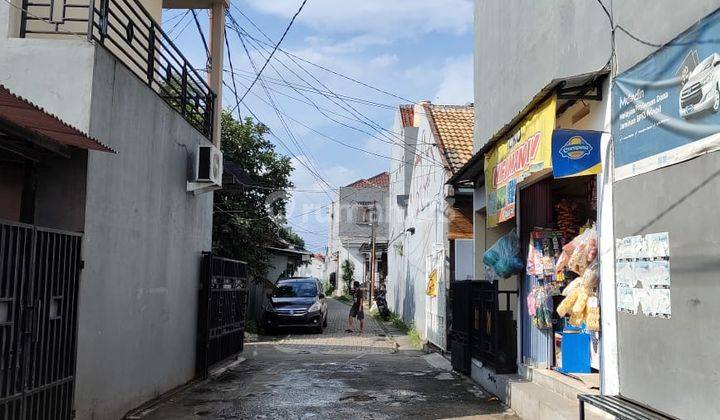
x: 426, y: 216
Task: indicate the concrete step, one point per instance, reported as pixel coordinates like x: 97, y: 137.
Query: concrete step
x: 532, y: 401
x: 561, y: 384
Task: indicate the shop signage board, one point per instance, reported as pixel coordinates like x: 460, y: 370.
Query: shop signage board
x: 666, y: 109
x: 575, y: 153
x: 511, y: 160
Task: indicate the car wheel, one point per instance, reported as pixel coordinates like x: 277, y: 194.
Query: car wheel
x: 324, y: 324
x: 319, y: 329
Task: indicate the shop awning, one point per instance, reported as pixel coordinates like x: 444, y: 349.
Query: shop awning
x: 473, y: 170
x: 25, y: 119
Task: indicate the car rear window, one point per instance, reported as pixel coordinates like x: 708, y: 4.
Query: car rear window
x: 296, y: 289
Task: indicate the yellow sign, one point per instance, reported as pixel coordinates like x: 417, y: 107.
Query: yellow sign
x: 526, y: 151
x: 432, y: 286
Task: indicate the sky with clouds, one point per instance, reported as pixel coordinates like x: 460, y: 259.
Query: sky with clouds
x: 414, y: 49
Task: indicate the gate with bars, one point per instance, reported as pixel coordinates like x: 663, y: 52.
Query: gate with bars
x: 221, y: 311
x: 39, y: 279
x: 435, y: 320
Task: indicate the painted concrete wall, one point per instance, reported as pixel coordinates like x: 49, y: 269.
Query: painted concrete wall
x: 314, y: 268
x: 520, y: 46
x: 143, y: 239
x: 400, y: 292
x: 60, y: 192
x: 349, y: 198
x: 66, y: 90
x: 426, y: 213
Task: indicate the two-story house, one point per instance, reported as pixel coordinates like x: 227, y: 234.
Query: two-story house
x: 103, y: 314
x: 358, y: 225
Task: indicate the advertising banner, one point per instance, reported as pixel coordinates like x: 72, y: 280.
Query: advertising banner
x: 575, y: 153
x: 666, y: 108
x: 524, y: 152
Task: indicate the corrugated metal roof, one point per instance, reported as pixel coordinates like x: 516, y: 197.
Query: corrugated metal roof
x: 30, y: 118
x: 475, y: 165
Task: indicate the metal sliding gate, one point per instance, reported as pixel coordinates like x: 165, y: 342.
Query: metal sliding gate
x: 222, y: 307
x: 39, y: 279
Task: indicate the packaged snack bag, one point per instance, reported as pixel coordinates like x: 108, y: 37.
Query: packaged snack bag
x: 567, y: 303
x: 592, y: 320
x: 579, y: 305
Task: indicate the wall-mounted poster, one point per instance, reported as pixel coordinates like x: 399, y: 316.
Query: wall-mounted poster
x: 666, y: 109
x: 642, y: 274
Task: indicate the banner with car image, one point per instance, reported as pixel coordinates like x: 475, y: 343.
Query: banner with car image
x: 666, y: 109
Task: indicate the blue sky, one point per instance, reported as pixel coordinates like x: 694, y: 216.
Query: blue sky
x: 415, y: 49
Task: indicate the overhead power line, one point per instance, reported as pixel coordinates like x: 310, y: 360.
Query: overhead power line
x: 357, y: 115
x: 287, y: 29
x: 323, y: 67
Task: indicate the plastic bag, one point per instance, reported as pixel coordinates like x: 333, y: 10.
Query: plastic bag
x: 578, y: 282
x: 579, y: 253
x: 504, y: 256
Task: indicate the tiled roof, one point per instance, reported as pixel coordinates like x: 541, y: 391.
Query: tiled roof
x: 406, y: 114
x: 379, y: 180
x: 453, y: 129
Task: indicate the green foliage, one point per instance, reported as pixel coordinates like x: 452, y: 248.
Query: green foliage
x: 348, y: 272
x: 243, y: 222
x: 414, y: 337
x: 329, y: 289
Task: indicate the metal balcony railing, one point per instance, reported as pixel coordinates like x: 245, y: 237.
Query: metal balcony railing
x: 130, y: 33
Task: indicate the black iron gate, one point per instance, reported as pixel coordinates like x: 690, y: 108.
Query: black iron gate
x: 460, y: 302
x: 483, y: 326
x: 222, y: 307
x: 39, y: 279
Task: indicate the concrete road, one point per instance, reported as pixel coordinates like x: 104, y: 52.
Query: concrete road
x: 335, y: 375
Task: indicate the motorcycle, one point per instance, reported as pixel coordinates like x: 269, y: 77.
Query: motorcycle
x: 382, y: 305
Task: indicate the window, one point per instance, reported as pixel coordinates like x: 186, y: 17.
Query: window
x: 364, y: 212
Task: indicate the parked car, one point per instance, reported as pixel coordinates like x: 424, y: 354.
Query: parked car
x: 296, y: 302
x: 701, y: 90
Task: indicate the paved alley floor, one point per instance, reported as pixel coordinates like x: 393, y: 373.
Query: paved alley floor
x: 334, y: 375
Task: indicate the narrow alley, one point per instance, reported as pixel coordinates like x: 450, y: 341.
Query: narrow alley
x: 334, y: 375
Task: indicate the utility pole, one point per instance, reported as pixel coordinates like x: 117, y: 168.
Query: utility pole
x: 372, y: 255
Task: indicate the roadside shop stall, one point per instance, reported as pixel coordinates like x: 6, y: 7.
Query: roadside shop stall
x: 541, y: 193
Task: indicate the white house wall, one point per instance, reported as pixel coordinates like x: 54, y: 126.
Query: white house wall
x: 144, y: 235
x: 426, y: 213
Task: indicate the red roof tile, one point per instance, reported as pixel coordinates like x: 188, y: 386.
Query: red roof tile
x: 406, y: 114
x: 453, y: 129
x: 379, y: 180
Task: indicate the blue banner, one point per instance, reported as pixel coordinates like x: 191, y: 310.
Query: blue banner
x: 665, y: 109
x: 575, y: 153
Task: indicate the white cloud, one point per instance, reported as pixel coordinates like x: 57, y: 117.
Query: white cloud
x: 456, y: 85
x: 383, y: 61
x: 396, y: 19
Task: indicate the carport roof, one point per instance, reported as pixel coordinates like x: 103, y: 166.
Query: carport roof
x: 25, y: 118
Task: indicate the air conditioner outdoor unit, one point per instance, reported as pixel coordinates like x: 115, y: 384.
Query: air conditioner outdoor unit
x: 207, y: 170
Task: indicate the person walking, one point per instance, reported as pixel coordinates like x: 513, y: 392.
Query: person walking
x: 356, y: 310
